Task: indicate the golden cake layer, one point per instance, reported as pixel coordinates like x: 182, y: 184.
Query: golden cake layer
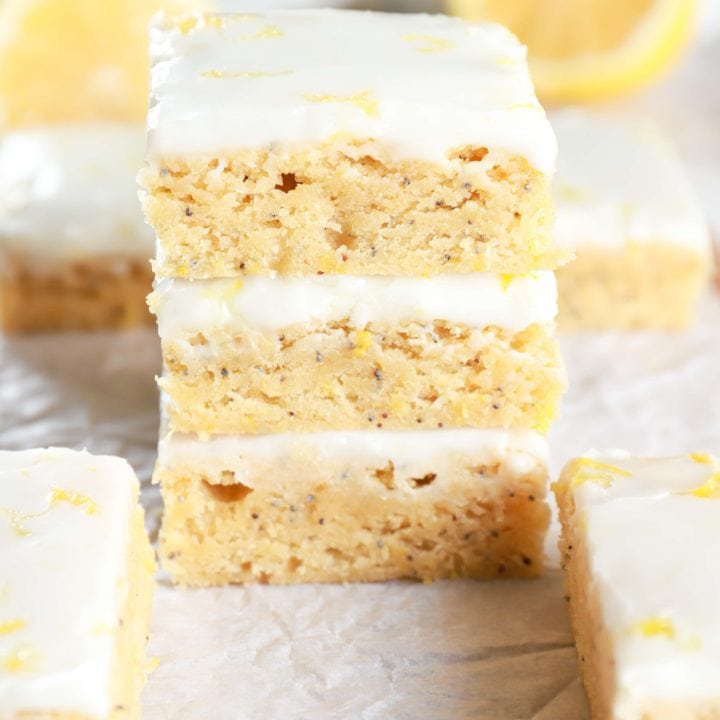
x: 334, y: 208
x: 310, y: 515
x: 93, y: 294
x: 393, y: 376
x: 648, y: 285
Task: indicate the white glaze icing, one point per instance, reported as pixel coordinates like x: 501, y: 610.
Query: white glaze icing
x: 63, y: 581
x: 68, y: 192
x: 475, y: 299
x: 413, y: 453
x: 621, y: 181
x: 653, y: 547
x: 419, y: 85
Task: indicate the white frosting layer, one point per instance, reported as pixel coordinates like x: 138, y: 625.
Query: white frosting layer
x: 64, y: 526
x: 621, y: 181
x: 418, y: 84
x: 411, y: 452
x: 68, y: 192
x: 653, y: 547
x: 474, y: 299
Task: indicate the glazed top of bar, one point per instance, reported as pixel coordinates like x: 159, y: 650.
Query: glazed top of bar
x: 64, y: 525
x: 653, y: 543
x: 619, y: 181
x: 420, y: 85
x: 68, y: 192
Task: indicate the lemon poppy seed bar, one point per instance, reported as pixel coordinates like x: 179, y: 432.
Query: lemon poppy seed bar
x: 627, y: 208
x: 353, y: 506
x: 640, y: 546
x: 278, y: 143
x: 76, y: 582
x: 355, y: 298
x: 74, y: 249
x: 338, y: 352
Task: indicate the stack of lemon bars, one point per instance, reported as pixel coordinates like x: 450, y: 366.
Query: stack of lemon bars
x: 355, y: 296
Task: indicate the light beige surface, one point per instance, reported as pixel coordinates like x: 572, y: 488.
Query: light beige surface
x: 448, y: 651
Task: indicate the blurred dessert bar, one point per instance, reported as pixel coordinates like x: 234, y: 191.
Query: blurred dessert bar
x: 76, y: 582
x: 640, y: 546
x: 626, y: 206
x: 73, y: 244
x: 355, y: 297
x: 74, y: 251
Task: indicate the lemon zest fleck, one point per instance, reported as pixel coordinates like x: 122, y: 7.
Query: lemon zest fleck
x: 269, y: 32
x: 573, y: 193
x: 655, y: 627
x: 365, y: 101
x: 361, y: 343
x: 702, y: 458
x: 188, y: 22
x: 77, y: 499
x: 11, y: 626
x: 594, y: 471
x: 709, y: 489
x: 505, y: 280
x: 429, y: 43
x: 546, y: 411
x: 249, y: 74
x: 22, y: 659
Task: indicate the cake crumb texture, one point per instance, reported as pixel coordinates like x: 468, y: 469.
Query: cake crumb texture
x: 345, y: 207
x: 392, y: 376
x: 319, y: 521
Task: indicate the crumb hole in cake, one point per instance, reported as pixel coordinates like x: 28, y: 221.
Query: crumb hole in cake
x: 246, y: 567
x: 198, y: 339
x: 498, y: 173
x: 337, y: 554
x: 227, y: 493
x: 289, y: 182
x: 423, y: 481
x: 386, y: 475
x: 473, y: 154
x: 294, y: 563
x: 341, y: 239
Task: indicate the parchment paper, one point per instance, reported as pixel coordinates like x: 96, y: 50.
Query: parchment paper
x: 448, y: 651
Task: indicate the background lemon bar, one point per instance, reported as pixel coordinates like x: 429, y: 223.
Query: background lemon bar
x: 640, y: 545
x: 625, y: 205
x: 74, y: 249
x: 76, y: 580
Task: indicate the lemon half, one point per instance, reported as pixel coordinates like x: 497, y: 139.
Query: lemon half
x: 75, y: 60
x: 591, y: 49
